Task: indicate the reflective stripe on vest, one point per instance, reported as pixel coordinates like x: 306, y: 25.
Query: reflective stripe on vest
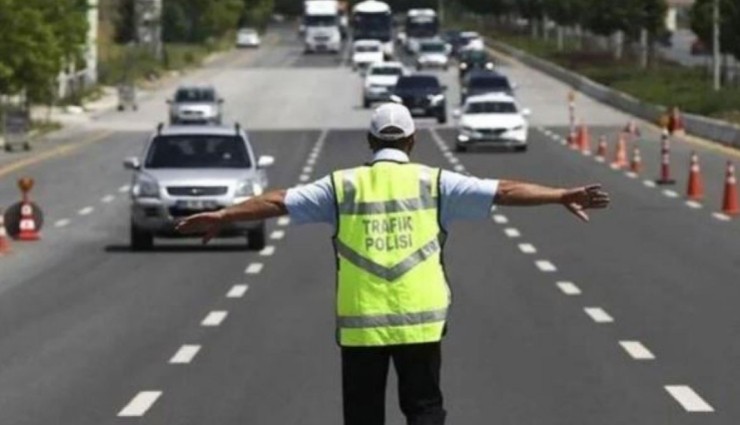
x: 391, y: 284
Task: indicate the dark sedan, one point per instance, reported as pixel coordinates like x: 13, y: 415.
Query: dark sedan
x: 423, y: 95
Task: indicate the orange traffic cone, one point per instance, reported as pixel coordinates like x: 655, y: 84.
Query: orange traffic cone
x: 730, y: 205
x: 601, y: 150
x: 4, y: 243
x: 620, y: 156
x: 584, y: 140
x: 636, y: 163
x: 27, y: 225
x: 665, y: 161
x: 695, y: 187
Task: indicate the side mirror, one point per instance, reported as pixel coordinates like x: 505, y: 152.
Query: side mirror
x: 395, y: 99
x: 131, y: 163
x: 457, y: 113
x: 265, y: 161
x: 526, y: 112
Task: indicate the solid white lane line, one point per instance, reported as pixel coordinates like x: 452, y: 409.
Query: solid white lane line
x: 283, y: 221
x: 277, y: 235
x: 254, y: 268
x: 214, y: 318
x: 139, y: 405
x: 598, y: 315
x: 459, y: 168
x: 569, y: 288
x: 304, y: 177
x: 512, y: 232
x: 527, y: 248
x: 693, y: 205
x: 636, y: 350
x: 124, y: 188
x: 721, y: 217
x: 185, y: 354
x: 670, y: 193
x: 500, y: 219
x: 107, y: 199
x: 61, y: 223
x: 267, y: 251
x: 546, y: 266
x: 688, y: 398
x: 649, y: 183
x: 237, y: 291
x: 86, y: 211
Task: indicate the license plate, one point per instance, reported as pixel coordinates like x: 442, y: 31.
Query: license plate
x: 418, y: 110
x: 196, y: 205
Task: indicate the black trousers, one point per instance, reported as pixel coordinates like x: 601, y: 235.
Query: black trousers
x: 364, y: 375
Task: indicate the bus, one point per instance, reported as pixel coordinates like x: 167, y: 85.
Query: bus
x: 419, y: 24
x: 373, y: 20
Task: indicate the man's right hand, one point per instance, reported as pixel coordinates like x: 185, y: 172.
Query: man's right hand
x: 582, y: 198
x: 208, y: 223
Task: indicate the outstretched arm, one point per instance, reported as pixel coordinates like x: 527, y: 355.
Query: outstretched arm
x: 268, y: 205
x: 576, y: 200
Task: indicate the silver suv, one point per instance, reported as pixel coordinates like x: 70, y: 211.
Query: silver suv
x: 195, y: 105
x: 191, y: 169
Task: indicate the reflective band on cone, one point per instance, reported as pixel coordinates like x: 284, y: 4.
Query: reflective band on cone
x: 665, y: 162
x: 695, y: 187
x: 27, y: 226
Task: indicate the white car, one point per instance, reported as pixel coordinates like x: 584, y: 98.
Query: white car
x: 366, y: 53
x: 432, y: 54
x: 493, y: 119
x: 471, y: 40
x: 247, y: 37
x: 380, y: 80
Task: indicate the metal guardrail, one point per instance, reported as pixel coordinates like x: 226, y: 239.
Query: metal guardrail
x: 715, y: 130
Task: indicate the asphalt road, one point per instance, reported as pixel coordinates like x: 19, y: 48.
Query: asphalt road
x: 630, y: 319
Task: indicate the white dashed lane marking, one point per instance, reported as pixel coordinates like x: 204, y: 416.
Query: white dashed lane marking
x: 304, y: 177
x: 721, y: 217
x: 124, y: 188
x: 107, y: 199
x: 185, y: 354
x: 527, y: 248
x: 569, y: 288
x: 214, y: 318
x: 453, y: 160
x: 631, y: 175
x: 277, y: 235
x: 86, y: 211
x: 598, y: 315
x: 637, y: 350
x: 546, y: 266
x: 267, y: 251
x: 500, y: 219
x: 670, y: 193
x: 283, y: 221
x: 237, y: 291
x: 254, y: 268
x: 62, y: 223
x: 512, y: 232
x: 688, y: 398
x: 649, y: 183
x: 693, y: 205
x: 307, y: 170
x: 139, y: 405
x: 459, y: 168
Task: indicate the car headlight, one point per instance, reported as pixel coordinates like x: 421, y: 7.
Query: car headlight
x: 463, y: 66
x: 248, y: 188
x: 517, y: 128
x: 489, y: 66
x: 468, y: 131
x: 145, y: 187
x: 436, y: 98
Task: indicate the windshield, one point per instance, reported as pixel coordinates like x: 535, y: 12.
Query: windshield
x: 320, y: 20
x: 197, y: 151
x: 422, y: 27
x: 432, y: 48
x: 366, y: 49
x: 495, y: 83
x: 248, y: 32
x: 386, y: 70
x: 372, y: 26
x: 195, y: 95
x: 491, y: 108
x: 477, y: 56
x: 418, y: 82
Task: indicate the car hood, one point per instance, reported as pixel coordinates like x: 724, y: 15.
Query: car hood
x: 492, y: 120
x: 381, y: 80
x: 202, y: 177
x: 436, y: 57
x: 367, y: 56
x: 416, y: 92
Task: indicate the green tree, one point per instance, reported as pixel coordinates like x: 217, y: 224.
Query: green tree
x: 701, y: 24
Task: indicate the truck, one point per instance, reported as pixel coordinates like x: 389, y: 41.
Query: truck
x: 321, y: 26
x: 373, y: 20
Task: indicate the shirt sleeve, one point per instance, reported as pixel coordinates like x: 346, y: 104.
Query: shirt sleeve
x: 464, y: 197
x: 312, y: 203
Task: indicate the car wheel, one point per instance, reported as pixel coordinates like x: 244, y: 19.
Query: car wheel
x: 521, y: 148
x: 256, y: 239
x: 366, y: 103
x: 460, y: 148
x: 141, y: 240
x: 442, y: 117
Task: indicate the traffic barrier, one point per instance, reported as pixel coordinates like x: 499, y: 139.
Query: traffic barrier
x: 601, y: 150
x: 665, y: 161
x: 636, y: 163
x: 584, y: 140
x: 695, y: 187
x: 620, y: 155
x: 4, y: 243
x: 730, y: 205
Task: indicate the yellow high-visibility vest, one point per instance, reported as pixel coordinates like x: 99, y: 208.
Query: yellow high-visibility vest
x: 391, y: 286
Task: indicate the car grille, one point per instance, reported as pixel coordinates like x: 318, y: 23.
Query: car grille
x: 197, y: 190
x: 191, y: 113
x: 321, y: 38
x: 491, y: 131
x: 415, y: 102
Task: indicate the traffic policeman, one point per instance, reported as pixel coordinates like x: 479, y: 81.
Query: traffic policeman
x: 390, y: 218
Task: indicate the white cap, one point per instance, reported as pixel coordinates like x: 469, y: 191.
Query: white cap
x: 392, y: 121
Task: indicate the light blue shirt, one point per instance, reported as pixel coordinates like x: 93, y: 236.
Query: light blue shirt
x: 461, y: 197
